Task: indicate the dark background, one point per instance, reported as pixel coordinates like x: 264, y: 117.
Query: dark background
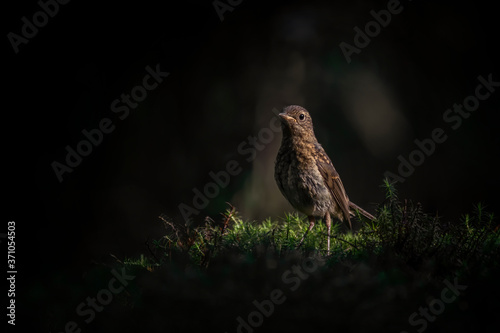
x: 225, y: 80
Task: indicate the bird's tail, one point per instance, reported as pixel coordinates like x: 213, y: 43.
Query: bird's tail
x: 355, y: 208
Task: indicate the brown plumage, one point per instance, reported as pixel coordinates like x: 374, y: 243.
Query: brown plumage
x: 306, y: 176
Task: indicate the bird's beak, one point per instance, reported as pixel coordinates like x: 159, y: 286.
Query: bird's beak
x: 285, y: 118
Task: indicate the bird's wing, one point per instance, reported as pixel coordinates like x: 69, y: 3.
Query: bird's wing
x: 332, y: 181
x: 363, y: 212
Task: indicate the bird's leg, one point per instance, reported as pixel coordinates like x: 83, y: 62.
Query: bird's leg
x: 311, y: 225
x: 328, y: 221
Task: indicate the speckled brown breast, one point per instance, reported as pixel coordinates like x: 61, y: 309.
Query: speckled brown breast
x: 301, y: 182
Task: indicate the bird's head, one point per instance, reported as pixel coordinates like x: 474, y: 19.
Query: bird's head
x: 296, y: 122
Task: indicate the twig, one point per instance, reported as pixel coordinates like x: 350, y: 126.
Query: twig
x: 226, y: 221
x: 343, y: 240
x: 116, y: 258
x: 151, y: 251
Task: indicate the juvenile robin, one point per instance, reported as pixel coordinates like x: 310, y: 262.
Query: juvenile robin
x: 306, y: 176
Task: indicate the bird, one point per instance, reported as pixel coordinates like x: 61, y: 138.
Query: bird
x: 306, y: 176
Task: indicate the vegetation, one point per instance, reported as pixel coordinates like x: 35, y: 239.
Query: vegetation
x: 382, y: 277
x: 402, y: 232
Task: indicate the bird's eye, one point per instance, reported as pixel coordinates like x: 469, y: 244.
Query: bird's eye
x: 302, y: 116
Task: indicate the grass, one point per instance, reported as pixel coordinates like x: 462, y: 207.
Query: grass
x: 205, y: 277
x: 402, y: 232
x: 208, y: 277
